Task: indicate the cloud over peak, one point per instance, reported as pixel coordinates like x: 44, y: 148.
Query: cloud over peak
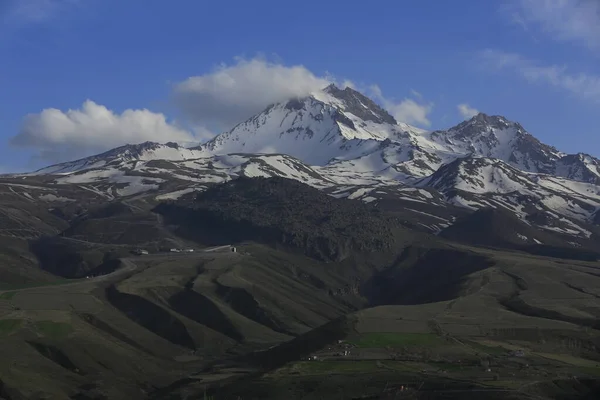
x: 58, y: 135
x: 466, y: 111
x: 408, y: 110
x: 233, y: 93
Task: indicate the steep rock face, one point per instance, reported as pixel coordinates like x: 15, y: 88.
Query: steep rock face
x: 579, y: 167
x: 282, y: 212
x: 360, y: 105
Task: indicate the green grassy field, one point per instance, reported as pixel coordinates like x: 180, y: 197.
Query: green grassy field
x: 20, y: 286
x: 54, y: 330
x: 7, y: 295
x: 488, y: 349
x: 338, y: 367
x: 8, y: 326
x: 166, y: 316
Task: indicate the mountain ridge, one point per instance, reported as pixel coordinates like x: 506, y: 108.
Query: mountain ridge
x: 480, y: 136
x: 340, y: 141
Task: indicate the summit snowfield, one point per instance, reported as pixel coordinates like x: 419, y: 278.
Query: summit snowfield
x: 341, y: 141
x: 327, y: 125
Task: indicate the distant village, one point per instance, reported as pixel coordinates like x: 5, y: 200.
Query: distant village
x: 141, y: 252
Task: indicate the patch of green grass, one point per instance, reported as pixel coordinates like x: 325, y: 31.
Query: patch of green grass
x: 207, y: 397
x: 403, y: 366
x: 447, y: 366
x: 7, y: 295
x: 505, y: 384
x: 491, y: 350
x: 55, y: 330
x: 8, y: 326
x: 19, y: 286
x: 378, y: 340
x: 331, y: 367
x: 569, y: 359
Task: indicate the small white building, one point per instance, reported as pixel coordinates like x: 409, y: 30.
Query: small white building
x: 233, y: 249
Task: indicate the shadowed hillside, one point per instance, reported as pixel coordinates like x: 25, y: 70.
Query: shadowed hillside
x: 288, y: 214
x: 495, y: 227
x: 498, y: 228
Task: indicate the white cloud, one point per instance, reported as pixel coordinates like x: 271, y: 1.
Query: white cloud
x: 467, y: 111
x: 19, y: 15
x: 416, y: 94
x: 567, y: 20
x: 34, y: 10
x: 583, y: 85
x: 59, y: 136
x: 30, y: 11
x: 407, y: 110
x: 411, y: 112
x: 346, y: 83
x: 232, y: 93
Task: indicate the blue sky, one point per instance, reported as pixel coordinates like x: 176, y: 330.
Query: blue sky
x: 81, y: 76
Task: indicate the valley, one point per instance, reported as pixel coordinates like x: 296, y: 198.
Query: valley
x: 245, y: 324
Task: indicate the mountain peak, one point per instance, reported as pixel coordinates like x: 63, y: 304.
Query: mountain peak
x: 134, y: 149
x: 360, y: 105
x: 331, y: 88
x: 483, y: 124
x: 494, y: 121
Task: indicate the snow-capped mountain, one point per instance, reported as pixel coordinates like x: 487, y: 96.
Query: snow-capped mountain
x: 340, y: 141
x: 345, y: 130
x: 130, y: 152
x: 579, y: 167
x: 495, y: 137
x: 315, y: 129
x: 478, y: 182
